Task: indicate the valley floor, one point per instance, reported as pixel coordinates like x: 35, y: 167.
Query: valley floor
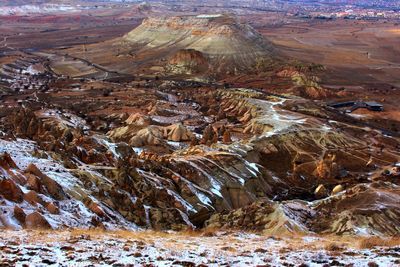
x: 149, y: 248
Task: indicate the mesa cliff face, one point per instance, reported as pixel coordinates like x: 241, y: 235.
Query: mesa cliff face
x: 228, y: 45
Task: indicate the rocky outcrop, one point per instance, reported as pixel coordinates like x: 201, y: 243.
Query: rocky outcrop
x: 36, y: 220
x: 188, y: 61
x: 178, y: 133
x: 362, y: 209
x: 138, y: 120
x: 6, y: 162
x: 305, y: 84
x: 49, y: 125
x: 151, y: 135
x: 10, y: 190
x: 266, y: 216
x: 51, y: 186
x: 210, y: 136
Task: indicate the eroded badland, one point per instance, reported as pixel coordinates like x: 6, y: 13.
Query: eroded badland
x: 199, y: 134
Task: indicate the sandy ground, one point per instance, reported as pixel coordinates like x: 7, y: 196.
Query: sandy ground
x: 148, y: 248
x: 355, y: 52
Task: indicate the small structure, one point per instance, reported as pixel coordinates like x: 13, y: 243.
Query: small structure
x: 354, y: 105
x: 374, y: 106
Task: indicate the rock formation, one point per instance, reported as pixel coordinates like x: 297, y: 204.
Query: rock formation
x: 188, y: 61
x: 151, y: 135
x: 178, y: 133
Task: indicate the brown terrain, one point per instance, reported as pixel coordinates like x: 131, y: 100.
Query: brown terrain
x: 198, y: 139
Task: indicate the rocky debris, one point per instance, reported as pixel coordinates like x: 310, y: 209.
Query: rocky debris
x: 52, y: 208
x: 94, y: 207
x: 33, y: 182
x: 33, y: 198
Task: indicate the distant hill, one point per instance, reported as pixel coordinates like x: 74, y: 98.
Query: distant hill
x: 228, y: 45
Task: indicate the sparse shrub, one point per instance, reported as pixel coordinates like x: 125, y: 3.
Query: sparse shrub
x: 106, y: 92
x: 209, y: 232
x: 370, y: 242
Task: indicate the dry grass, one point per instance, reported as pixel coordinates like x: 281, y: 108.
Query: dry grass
x: 331, y: 243
x: 334, y: 246
x: 375, y: 241
x: 98, y: 233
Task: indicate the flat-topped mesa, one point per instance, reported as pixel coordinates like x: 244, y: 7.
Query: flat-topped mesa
x: 228, y: 45
x: 193, y: 23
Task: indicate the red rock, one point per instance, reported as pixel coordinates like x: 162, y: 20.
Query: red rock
x: 33, y: 183
x: 52, y: 208
x: 54, y: 189
x: 19, y: 214
x: 32, y: 198
x: 7, y: 162
x: 11, y: 191
x: 94, y: 207
x: 17, y: 177
x: 226, y: 138
x: 34, y: 170
x: 35, y: 220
